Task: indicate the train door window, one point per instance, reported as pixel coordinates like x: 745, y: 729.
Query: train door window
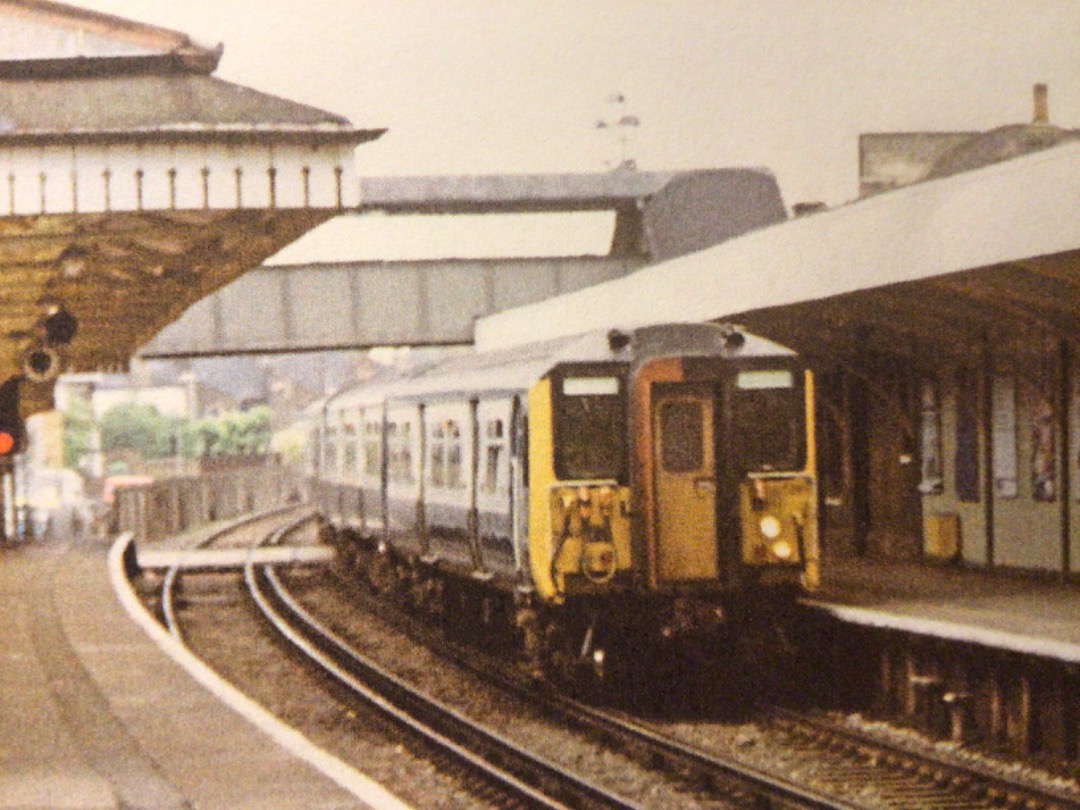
x: 437, y: 456
x: 494, y: 444
x: 454, y: 475
x: 349, y: 453
x: 372, y: 443
x: 399, y: 450
x: 682, y: 432
x: 930, y: 439
x: 523, y: 448
x: 393, y: 463
x: 406, y: 453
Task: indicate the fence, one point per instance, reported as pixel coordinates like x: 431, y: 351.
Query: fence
x: 173, y: 505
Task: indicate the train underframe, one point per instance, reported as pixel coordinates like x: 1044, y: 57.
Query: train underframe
x: 656, y: 649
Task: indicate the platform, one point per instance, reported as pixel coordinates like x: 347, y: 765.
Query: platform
x: 95, y: 714
x: 1000, y: 610
x: 221, y: 558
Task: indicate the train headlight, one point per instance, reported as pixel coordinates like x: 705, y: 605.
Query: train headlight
x: 770, y: 527
x: 782, y: 550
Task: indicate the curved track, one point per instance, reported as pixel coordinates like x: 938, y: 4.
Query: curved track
x: 488, y: 764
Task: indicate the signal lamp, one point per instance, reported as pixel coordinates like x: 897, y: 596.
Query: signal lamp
x: 12, y: 427
x: 770, y: 527
x: 782, y: 550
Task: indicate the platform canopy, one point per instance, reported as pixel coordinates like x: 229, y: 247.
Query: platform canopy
x: 940, y: 268
x: 133, y: 182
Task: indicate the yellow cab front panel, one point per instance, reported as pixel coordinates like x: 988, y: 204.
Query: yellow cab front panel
x: 579, y: 528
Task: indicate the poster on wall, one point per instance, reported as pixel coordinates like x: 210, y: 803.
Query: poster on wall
x: 1043, y: 452
x: 1004, y: 436
x: 931, y: 482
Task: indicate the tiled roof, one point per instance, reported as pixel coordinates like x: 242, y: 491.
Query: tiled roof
x: 185, y: 104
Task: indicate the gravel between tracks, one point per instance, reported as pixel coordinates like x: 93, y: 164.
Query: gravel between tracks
x: 471, y: 695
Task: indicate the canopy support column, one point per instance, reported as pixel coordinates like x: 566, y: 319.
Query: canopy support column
x: 1064, y: 453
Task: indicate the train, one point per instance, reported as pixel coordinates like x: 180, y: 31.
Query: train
x: 591, y: 499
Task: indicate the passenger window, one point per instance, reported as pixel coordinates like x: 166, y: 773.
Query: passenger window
x: 406, y: 453
x: 681, y: 436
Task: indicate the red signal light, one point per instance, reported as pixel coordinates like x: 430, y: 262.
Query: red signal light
x: 7, y: 443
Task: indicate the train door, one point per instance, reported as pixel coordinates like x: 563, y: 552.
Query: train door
x: 684, y: 466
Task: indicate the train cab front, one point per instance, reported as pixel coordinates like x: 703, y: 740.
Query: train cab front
x: 725, y: 454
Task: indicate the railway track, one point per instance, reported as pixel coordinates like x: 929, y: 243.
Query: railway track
x: 835, y: 766
x: 491, y: 767
x: 829, y: 766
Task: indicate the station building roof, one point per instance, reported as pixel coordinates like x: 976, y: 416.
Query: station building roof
x: 133, y: 182
x: 164, y: 107
x: 658, y: 215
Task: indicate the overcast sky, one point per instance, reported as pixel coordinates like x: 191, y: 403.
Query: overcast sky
x: 472, y: 86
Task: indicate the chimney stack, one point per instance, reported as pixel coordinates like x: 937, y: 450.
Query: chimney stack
x: 1042, y: 108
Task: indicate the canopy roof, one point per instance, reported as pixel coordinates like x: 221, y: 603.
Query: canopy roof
x: 928, y: 270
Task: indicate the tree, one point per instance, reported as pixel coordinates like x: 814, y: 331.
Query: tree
x: 78, y: 430
x: 235, y: 433
x: 140, y: 428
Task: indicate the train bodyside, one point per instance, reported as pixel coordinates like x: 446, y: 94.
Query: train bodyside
x: 632, y: 478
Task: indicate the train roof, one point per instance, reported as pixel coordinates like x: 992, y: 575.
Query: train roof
x: 516, y: 369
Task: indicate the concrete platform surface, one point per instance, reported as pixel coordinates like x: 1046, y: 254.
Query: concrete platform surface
x: 96, y: 714
x: 1003, y: 610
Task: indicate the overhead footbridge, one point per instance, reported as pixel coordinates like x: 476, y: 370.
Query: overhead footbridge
x: 133, y: 182
x: 656, y: 216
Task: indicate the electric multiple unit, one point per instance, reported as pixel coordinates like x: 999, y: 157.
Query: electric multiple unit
x: 593, y: 493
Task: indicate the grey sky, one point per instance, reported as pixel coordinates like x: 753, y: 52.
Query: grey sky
x: 468, y: 86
